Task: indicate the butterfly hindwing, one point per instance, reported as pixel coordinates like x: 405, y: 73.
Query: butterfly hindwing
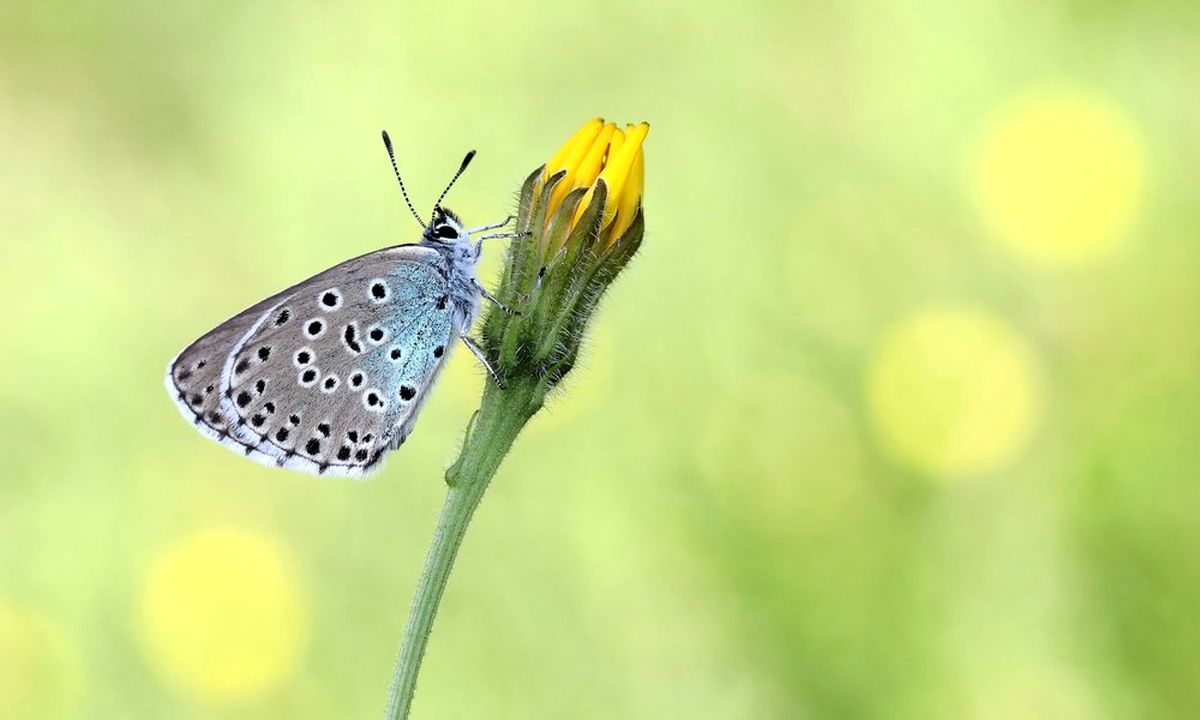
x: 327, y: 376
x: 194, y: 377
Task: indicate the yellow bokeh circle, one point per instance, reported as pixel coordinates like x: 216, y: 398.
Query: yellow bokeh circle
x: 1061, y: 176
x: 953, y: 392
x: 223, y: 615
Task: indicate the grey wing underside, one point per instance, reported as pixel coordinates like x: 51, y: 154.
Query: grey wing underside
x: 329, y: 375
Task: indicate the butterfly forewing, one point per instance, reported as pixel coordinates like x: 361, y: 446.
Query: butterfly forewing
x: 327, y: 376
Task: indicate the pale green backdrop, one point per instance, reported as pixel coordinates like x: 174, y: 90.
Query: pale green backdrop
x: 895, y: 416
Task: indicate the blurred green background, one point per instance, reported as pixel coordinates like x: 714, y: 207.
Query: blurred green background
x: 894, y: 416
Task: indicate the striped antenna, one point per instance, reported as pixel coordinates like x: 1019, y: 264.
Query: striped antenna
x: 387, y: 141
x: 466, y: 161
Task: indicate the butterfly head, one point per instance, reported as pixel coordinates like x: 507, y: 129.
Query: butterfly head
x: 445, y: 228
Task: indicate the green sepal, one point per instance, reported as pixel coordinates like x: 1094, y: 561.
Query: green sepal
x: 576, y: 309
x: 563, y: 269
x: 533, y: 261
x: 510, y: 280
x: 558, y: 236
x: 611, y: 263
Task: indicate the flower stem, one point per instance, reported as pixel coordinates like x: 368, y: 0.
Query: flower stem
x: 502, y: 414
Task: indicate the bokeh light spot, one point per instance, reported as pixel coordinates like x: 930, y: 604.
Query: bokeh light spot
x: 1061, y: 176
x: 952, y: 392
x: 37, y: 673
x: 223, y: 615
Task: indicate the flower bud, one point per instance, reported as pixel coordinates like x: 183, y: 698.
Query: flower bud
x: 582, y: 212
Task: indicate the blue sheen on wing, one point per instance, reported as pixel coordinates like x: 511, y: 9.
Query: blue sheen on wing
x: 416, y: 335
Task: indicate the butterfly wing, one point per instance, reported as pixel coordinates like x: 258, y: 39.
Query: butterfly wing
x: 328, y: 375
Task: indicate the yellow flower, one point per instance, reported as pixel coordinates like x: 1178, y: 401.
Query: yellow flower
x: 581, y: 220
x: 600, y: 152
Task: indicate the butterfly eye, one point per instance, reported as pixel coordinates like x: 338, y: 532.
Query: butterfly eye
x: 445, y: 231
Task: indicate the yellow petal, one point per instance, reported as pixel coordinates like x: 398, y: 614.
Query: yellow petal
x: 630, y: 197
x: 593, y: 161
x: 589, y: 131
x: 614, y: 145
x: 616, y: 172
x: 616, y: 141
x: 579, y: 146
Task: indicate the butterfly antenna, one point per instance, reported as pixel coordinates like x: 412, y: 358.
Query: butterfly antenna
x: 387, y: 141
x: 466, y: 161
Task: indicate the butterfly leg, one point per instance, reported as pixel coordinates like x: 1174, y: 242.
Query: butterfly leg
x: 478, y: 353
x: 485, y: 228
x: 493, y: 236
x: 492, y: 299
x: 479, y: 242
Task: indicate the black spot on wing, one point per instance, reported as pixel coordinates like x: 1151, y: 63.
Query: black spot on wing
x: 350, y: 338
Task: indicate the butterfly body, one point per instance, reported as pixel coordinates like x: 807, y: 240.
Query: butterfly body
x: 459, y: 257
x: 329, y: 375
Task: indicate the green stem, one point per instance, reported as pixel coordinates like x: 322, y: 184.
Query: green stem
x: 501, y: 416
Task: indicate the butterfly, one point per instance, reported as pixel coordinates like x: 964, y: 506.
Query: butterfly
x: 329, y: 375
